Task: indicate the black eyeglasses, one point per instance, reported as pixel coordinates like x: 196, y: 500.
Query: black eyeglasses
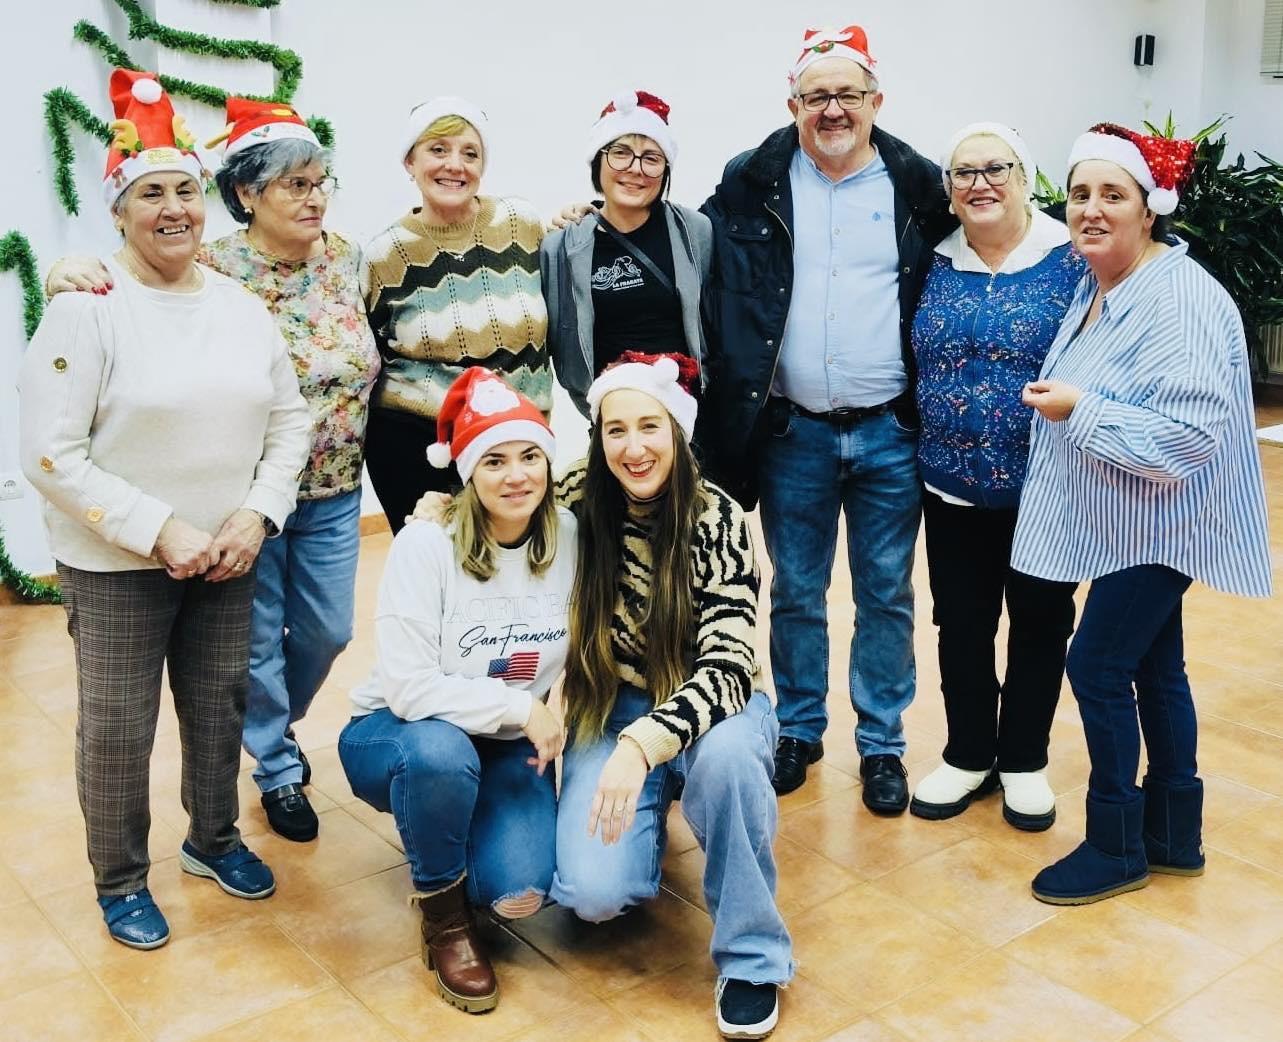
x: 621, y: 158
x: 963, y: 178
x: 299, y: 188
x: 848, y: 100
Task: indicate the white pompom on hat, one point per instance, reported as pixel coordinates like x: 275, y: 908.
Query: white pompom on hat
x: 481, y: 411
x: 1161, y: 166
x: 428, y: 112
x: 1004, y: 134
x: 633, y: 112
x: 667, y: 378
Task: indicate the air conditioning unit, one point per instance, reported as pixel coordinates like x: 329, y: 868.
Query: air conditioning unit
x: 1272, y: 40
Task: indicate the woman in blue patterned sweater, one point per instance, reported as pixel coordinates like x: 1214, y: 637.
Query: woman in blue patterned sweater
x: 994, y: 298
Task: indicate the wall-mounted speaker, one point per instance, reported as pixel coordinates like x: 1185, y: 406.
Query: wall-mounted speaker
x: 1144, y: 51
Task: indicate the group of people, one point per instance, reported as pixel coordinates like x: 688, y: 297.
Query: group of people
x: 843, y: 328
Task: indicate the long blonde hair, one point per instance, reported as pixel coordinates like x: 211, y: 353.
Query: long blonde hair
x: 474, y: 545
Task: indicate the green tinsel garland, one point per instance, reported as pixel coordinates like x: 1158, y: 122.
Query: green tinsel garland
x: 27, y: 587
x: 16, y: 252
x: 61, y: 106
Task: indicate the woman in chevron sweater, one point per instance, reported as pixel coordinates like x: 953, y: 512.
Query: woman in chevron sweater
x: 660, y: 690
x: 452, y: 284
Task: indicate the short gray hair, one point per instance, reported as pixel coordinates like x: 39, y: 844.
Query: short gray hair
x: 256, y: 167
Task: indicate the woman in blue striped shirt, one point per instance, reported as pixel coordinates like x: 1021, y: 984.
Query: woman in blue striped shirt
x: 1143, y: 475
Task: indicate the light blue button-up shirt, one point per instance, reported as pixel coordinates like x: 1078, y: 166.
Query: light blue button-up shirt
x: 1157, y: 463
x: 841, y: 345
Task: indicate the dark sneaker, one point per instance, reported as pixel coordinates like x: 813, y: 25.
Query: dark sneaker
x: 746, y: 1010
x: 134, y: 920
x: 290, y: 814
x: 239, y: 872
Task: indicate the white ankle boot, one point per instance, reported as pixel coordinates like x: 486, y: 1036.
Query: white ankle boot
x: 1027, y: 800
x: 948, y: 791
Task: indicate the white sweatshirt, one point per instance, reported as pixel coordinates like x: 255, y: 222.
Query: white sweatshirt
x: 145, y: 404
x: 472, y: 653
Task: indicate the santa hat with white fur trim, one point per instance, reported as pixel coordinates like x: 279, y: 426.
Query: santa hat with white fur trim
x: 817, y: 44
x: 251, y: 122
x: 481, y: 411
x: 1162, y: 166
x: 148, y: 137
x: 428, y: 112
x: 667, y: 378
x: 633, y: 112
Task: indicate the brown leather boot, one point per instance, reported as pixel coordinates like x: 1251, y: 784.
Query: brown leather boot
x: 452, y: 950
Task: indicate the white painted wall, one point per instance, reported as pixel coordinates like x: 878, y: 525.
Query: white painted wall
x: 543, y: 71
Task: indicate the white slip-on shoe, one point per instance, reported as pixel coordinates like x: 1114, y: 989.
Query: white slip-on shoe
x: 948, y: 791
x: 1027, y: 800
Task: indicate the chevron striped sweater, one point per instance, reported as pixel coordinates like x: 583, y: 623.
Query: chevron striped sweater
x: 442, y: 298
x: 722, y: 660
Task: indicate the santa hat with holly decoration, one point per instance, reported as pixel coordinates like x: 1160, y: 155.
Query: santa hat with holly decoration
x: 668, y: 378
x: 817, y: 44
x: 251, y: 122
x: 148, y: 136
x: 481, y: 411
x: 633, y: 112
x: 1162, y: 166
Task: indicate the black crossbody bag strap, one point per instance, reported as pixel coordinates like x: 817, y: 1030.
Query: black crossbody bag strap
x: 640, y: 254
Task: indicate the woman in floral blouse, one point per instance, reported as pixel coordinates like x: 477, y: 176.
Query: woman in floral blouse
x: 274, y: 180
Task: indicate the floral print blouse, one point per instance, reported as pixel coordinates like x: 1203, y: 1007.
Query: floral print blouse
x: 318, y: 306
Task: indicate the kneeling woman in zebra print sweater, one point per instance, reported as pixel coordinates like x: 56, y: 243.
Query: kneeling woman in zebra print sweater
x: 660, y: 696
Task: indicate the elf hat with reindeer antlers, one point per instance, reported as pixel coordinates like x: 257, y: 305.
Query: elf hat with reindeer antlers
x: 149, y: 137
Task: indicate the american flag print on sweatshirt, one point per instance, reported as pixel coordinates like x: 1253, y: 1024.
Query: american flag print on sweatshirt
x: 520, y: 665
x: 1158, y: 462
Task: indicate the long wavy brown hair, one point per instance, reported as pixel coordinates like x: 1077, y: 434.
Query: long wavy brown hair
x: 668, y: 626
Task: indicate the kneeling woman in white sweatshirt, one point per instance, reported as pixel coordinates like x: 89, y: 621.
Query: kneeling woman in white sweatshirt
x: 451, y: 733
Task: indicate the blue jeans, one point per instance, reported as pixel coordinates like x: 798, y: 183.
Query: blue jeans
x: 460, y: 802
x: 731, y: 808
x: 1128, y: 659
x: 302, y: 620
x: 866, y: 469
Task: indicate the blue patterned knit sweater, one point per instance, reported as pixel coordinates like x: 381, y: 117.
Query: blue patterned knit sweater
x: 978, y: 339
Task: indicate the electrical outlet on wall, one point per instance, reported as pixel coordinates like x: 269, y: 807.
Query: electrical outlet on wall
x: 10, y: 485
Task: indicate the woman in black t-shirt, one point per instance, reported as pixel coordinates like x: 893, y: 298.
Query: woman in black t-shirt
x: 628, y: 276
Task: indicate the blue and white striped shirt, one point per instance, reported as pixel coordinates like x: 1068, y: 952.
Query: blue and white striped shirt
x: 1158, y: 463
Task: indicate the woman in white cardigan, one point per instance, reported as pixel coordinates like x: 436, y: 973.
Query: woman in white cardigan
x: 164, y: 427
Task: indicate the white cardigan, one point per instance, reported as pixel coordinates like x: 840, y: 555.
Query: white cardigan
x: 143, y: 404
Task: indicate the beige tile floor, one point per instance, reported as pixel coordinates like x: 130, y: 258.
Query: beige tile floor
x: 904, y: 929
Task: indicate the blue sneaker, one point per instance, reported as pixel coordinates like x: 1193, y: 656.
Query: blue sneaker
x: 134, y: 920
x: 239, y: 872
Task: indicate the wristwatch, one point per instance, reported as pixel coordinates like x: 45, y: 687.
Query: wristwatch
x: 269, y: 526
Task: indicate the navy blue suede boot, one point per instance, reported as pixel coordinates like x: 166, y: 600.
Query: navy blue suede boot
x: 1174, y: 828
x: 1110, y: 862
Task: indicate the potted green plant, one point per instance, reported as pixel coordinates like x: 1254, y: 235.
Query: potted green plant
x: 1232, y: 218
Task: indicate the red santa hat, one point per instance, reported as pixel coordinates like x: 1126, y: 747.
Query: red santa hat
x: 667, y: 378
x: 633, y: 112
x: 481, y: 411
x: 817, y: 44
x: 148, y: 136
x: 251, y: 122
x: 1162, y: 166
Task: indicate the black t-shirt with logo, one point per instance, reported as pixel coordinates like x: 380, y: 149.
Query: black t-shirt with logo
x: 633, y: 310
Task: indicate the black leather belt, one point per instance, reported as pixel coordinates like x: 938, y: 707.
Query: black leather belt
x: 848, y: 415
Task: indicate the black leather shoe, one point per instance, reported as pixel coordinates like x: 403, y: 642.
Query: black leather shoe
x: 886, y: 784
x: 290, y: 814
x: 302, y: 757
x: 792, y: 756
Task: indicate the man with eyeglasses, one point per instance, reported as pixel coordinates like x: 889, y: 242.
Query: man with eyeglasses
x: 822, y: 242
